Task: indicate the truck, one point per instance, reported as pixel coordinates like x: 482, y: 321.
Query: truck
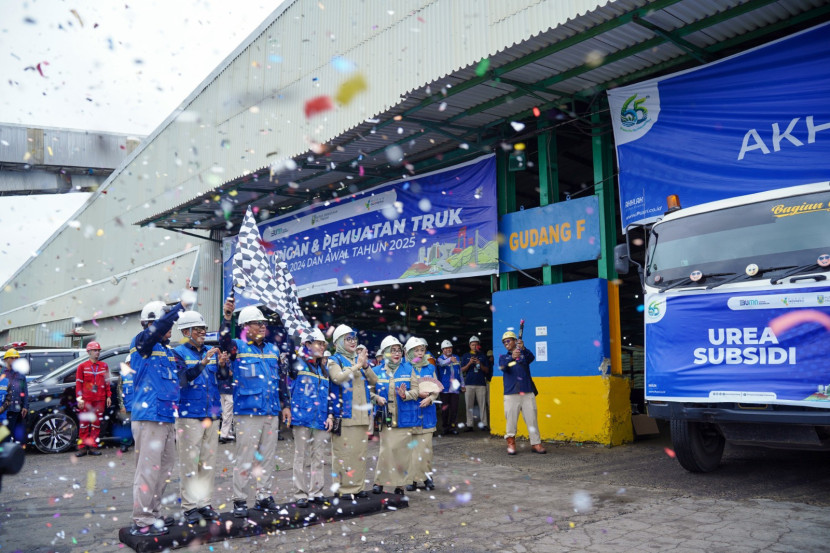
x: 737, y: 321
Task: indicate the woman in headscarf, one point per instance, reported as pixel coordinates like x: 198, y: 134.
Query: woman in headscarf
x: 423, y: 365
x: 350, y: 380
x: 397, y: 393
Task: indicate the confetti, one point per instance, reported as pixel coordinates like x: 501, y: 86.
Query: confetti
x: 349, y: 89
x: 482, y: 68
x: 317, y: 105
x: 670, y: 452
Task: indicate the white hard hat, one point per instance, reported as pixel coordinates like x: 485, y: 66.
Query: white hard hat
x: 316, y: 335
x: 327, y: 353
x: 446, y: 344
x: 413, y: 343
x: 249, y: 314
x: 361, y: 346
x: 341, y: 330
x: 189, y: 319
x: 389, y: 341
x: 474, y: 339
x: 152, y: 311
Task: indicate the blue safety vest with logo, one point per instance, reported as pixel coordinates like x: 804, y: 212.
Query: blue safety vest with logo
x: 342, y: 393
x: 429, y: 418
x: 256, y: 377
x: 127, y: 381
x: 408, y: 412
x: 447, y: 372
x: 156, y: 384
x: 200, y: 398
x: 311, y: 403
x: 4, y: 389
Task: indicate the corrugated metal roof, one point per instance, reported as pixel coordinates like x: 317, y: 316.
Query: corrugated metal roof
x: 422, y: 65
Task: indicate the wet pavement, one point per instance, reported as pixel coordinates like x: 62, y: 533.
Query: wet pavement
x: 578, y: 497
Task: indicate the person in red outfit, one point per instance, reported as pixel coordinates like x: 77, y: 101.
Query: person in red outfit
x: 93, y: 393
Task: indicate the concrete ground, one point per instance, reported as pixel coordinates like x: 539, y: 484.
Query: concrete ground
x: 576, y: 498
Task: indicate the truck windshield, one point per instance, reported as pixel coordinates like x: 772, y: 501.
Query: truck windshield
x: 786, y: 232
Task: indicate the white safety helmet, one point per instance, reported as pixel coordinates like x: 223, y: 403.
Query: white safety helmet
x: 474, y: 339
x: 152, y: 311
x: 340, y: 331
x: 361, y: 346
x: 446, y: 344
x: 389, y: 341
x: 413, y: 343
x: 249, y: 314
x: 316, y: 335
x: 190, y: 319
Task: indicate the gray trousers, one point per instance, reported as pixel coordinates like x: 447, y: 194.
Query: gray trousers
x: 155, y: 456
x: 196, y: 446
x: 256, y: 455
x: 472, y: 395
x: 310, y: 451
x: 226, y: 400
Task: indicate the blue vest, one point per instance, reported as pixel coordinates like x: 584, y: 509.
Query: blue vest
x: 446, y: 373
x: 408, y: 411
x: 429, y: 418
x: 342, y: 393
x: 256, y: 377
x: 4, y: 389
x: 156, y: 385
x: 200, y: 398
x: 310, y: 400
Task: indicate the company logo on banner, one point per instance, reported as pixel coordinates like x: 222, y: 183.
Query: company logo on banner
x: 436, y: 226
x: 554, y: 234
x: 753, y: 347
x: 753, y: 122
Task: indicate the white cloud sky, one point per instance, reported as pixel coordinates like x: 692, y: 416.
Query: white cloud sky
x: 106, y: 66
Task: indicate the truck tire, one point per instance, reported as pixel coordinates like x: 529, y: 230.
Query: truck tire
x: 697, y: 445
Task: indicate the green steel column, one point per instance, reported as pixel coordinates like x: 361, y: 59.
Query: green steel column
x: 506, y: 187
x: 548, y: 188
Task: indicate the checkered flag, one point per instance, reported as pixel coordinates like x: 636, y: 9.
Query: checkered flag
x: 252, y: 275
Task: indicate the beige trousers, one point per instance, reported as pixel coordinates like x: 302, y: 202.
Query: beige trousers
x: 310, y: 448
x: 348, y: 465
x: 420, y: 467
x: 526, y: 405
x: 155, y: 456
x: 196, y: 446
x: 476, y: 394
x: 256, y: 455
x: 226, y: 400
x: 395, y: 457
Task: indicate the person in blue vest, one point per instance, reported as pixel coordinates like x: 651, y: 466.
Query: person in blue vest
x: 156, y: 388
x: 350, y: 377
x: 312, y: 416
x: 423, y: 365
x: 126, y: 390
x: 396, y: 396
x: 16, y: 402
x: 4, y: 389
x: 260, y: 398
x: 518, y: 392
x: 199, y: 407
x: 475, y: 367
x: 449, y: 373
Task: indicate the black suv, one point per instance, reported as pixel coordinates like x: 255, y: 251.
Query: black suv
x: 52, y: 422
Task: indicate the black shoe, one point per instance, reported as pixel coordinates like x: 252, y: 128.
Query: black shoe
x: 469, y: 429
x: 412, y: 487
x: 267, y: 504
x: 125, y: 448
x: 193, y: 516
x: 429, y: 484
x: 377, y: 489
x: 240, y: 509
x: 280, y: 437
x: 320, y: 500
x: 398, y: 491
x: 168, y: 521
x: 363, y: 494
x: 95, y: 451
x: 83, y: 453
x: 209, y: 512
x: 151, y: 530
x: 454, y: 432
x: 302, y: 503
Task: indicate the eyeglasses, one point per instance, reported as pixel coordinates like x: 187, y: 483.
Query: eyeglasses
x: 350, y: 339
x: 258, y: 323
x: 507, y: 340
x: 201, y: 329
x: 396, y: 350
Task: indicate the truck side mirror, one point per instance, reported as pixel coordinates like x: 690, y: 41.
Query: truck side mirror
x: 621, y: 259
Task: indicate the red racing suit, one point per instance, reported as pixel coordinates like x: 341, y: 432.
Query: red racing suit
x: 92, y: 388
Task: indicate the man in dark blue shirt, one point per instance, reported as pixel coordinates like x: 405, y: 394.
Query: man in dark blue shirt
x: 475, y: 368
x: 518, y: 392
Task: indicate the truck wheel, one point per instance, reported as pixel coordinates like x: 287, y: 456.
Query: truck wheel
x: 698, y: 445
x: 55, y: 433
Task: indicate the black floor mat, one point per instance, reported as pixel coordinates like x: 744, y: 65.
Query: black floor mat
x: 258, y: 522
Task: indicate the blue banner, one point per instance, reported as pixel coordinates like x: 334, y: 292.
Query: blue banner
x: 554, y: 234
x: 752, y: 122
x: 436, y: 226
x: 744, y: 347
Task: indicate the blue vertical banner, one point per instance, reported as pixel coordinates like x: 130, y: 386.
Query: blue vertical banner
x: 753, y: 122
x: 436, y: 226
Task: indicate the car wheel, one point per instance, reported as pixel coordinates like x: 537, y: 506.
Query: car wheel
x: 55, y: 433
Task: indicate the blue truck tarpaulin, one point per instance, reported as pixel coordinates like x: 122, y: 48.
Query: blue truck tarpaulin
x: 768, y: 347
x: 753, y: 122
x: 435, y: 226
